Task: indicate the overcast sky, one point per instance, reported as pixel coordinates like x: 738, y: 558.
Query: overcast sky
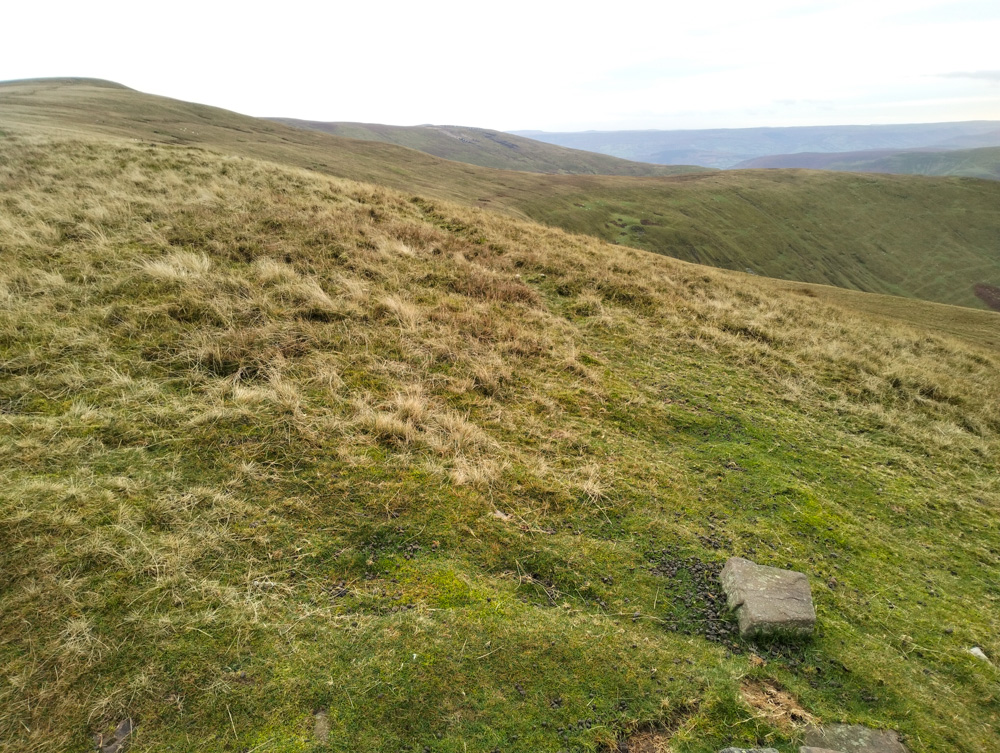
x: 533, y: 65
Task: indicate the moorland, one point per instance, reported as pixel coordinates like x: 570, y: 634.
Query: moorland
x: 326, y: 444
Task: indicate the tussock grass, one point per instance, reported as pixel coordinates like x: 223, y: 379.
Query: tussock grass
x: 276, y: 442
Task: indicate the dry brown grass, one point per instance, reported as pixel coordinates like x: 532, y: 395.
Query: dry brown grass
x: 779, y: 707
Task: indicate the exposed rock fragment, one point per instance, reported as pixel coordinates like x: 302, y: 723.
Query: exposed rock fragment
x: 851, y: 738
x: 118, y: 740
x: 768, y: 600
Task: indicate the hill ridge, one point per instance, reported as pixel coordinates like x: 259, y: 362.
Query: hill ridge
x: 514, y: 152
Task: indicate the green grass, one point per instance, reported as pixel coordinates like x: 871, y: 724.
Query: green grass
x: 277, y: 443
x: 919, y: 237
x: 495, y: 149
x: 971, y: 163
x: 981, y: 163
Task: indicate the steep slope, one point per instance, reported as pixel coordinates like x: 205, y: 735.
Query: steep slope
x: 726, y: 147
x: 969, y: 163
x: 290, y: 458
x: 486, y: 148
x: 933, y: 238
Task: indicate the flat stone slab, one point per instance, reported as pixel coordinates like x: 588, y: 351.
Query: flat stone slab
x: 768, y: 600
x: 852, y: 738
x: 748, y: 750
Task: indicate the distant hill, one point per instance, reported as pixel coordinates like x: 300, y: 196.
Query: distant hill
x: 727, y: 147
x: 481, y: 146
x: 929, y: 238
x: 970, y: 163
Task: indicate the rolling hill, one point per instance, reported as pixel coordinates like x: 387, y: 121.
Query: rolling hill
x: 932, y: 238
x: 970, y: 163
x: 486, y: 148
x: 727, y: 147
x: 296, y: 463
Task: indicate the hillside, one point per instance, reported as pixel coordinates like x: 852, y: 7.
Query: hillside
x: 486, y: 148
x: 932, y: 238
x: 727, y: 147
x: 296, y: 463
x: 970, y: 163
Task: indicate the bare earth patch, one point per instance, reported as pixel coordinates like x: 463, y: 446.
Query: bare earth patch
x: 988, y: 294
x: 778, y: 706
x: 646, y: 742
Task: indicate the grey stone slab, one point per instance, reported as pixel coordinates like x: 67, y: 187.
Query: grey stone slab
x: 811, y: 749
x: 748, y: 750
x: 853, y: 738
x: 768, y: 600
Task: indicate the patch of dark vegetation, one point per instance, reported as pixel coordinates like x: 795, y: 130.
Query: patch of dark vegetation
x: 749, y: 331
x: 486, y: 285
x: 692, y: 597
x: 648, y: 223
x: 502, y: 142
x: 988, y: 294
x: 632, y: 296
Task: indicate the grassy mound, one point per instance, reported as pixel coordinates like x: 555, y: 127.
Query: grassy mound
x: 280, y: 447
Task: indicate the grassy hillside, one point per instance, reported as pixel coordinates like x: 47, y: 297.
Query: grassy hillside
x: 928, y: 238
x: 968, y: 163
x: 293, y: 463
x: 932, y: 238
x: 502, y: 151
x: 726, y: 147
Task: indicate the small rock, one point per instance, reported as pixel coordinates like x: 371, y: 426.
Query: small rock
x: 979, y: 654
x: 501, y: 515
x: 768, y: 600
x: 748, y: 750
x: 851, y: 738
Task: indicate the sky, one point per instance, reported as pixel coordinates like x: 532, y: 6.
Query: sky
x: 554, y: 66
